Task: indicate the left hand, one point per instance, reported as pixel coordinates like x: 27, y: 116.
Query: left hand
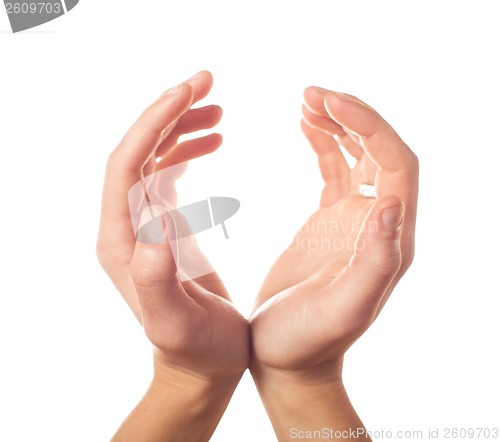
x: 328, y: 287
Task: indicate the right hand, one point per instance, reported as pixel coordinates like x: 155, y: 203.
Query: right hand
x: 193, y: 325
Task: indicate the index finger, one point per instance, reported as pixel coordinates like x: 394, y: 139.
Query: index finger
x: 397, y: 165
x: 377, y: 137
x: 125, y: 164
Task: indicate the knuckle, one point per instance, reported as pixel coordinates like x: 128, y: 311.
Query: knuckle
x: 111, y: 160
x: 115, y: 160
x: 145, y: 275
x: 109, y: 257
x: 385, y: 263
x: 413, y: 160
x: 103, y: 255
x: 407, y: 258
x: 389, y: 265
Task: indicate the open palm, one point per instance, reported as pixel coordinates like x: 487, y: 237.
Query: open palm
x: 326, y: 289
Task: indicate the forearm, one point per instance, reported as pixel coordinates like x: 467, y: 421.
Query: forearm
x: 177, y: 407
x: 301, y: 407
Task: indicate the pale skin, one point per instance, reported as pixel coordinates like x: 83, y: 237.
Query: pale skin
x: 197, y: 363
x: 313, y: 305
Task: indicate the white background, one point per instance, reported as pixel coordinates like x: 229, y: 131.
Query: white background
x: 74, y: 361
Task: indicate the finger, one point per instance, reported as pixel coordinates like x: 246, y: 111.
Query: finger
x: 187, y: 255
x: 332, y: 164
x: 397, y: 165
x: 150, y: 166
x: 124, y: 168
x: 125, y: 165
x: 143, y: 137
x: 350, y: 144
x: 368, y: 173
x: 378, y: 139
x: 190, y: 149
x: 116, y: 240
x: 210, y: 283
x: 192, y: 121
x: 357, y: 291
x: 166, y: 308
x: 314, y: 99
x: 321, y: 122
x: 198, y: 119
x: 201, y: 83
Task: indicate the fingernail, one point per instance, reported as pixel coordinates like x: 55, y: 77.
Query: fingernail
x: 194, y: 77
x: 393, y: 217
x: 318, y: 90
x: 342, y: 97
x: 171, y: 92
x: 175, y: 90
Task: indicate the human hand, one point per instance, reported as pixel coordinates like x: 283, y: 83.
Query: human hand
x: 328, y: 287
x: 200, y: 340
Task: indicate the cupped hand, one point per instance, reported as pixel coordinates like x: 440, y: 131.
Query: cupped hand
x: 328, y: 287
x: 193, y: 325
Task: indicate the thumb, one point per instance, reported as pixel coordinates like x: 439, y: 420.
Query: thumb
x: 165, y: 306
x: 362, y: 284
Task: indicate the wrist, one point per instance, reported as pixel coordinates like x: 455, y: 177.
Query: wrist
x: 171, y: 379
x: 321, y: 375
x: 192, y: 404
x: 290, y: 390
x: 307, y: 400
x: 179, y: 405
x: 170, y: 371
